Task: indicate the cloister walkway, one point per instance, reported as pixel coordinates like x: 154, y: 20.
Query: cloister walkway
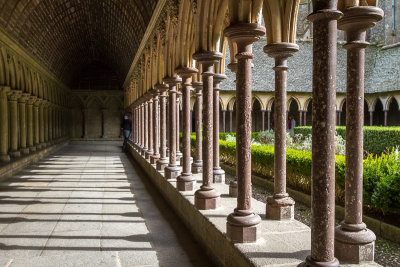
x: 87, y: 205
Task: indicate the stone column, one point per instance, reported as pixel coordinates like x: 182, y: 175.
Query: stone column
x: 305, y: 118
x: 207, y: 197
x: 30, y: 123
x: 324, y: 18
x: 301, y: 117
x: 103, y: 122
x: 230, y: 120
x: 385, y: 112
x: 163, y: 161
x: 371, y: 118
x: 36, y: 122
x: 13, y: 97
x: 22, y: 123
x: 340, y: 117
x: 46, y: 123
x: 178, y: 152
x: 197, y: 166
x: 156, y: 129
x: 263, y: 120
x: 84, y: 120
x: 145, y: 124
x: 150, y: 150
x: 269, y: 120
x: 41, y: 123
x: 242, y: 224
x: 4, y: 130
x: 354, y: 242
x: 218, y: 172
x: 280, y: 206
x: 223, y: 120
x: 172, y: 170
x: 51, y: 123
x: 142, y: 134
x: 186, y: 181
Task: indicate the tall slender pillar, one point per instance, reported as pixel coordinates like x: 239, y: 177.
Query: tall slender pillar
x: 223, y: 120
x: 178, y: 151
x: 207, y: 197
x: 263, y: 120
x: 22, y: 123
x: 150, y: 129
x: 172, y: 170
x: 30, y: 123
x: 84, y: 119
x: 13, y: 97
x: 269, y: 120
x: 280, y: 206
x: 305, y: 118
x: 218, y: 172
x: 385, y: 112
x: 301, y: 118
x: 36, y: 122
x: 354, y: 242
x: 185, y: 181
x: 371, y: 118
x: 156, y: 130
x: 103, y: 122
x: 46, y: 123
x: 324, y: 18
x: 163, y: 161
x: 51, y: 123
x: 4, y: 125
x: 145, y: 124
x: 242, y: 224
x: 41, y: 123
x: 197, y: 165
x: 230, y: 120
x: 141, y: 127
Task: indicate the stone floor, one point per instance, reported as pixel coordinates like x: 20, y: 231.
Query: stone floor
x: 87, y: 205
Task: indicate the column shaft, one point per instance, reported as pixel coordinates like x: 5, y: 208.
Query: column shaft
x: 4, y: 125
x: 218, y: 172
x: 13, y: 108
x: 150, y: 150
x: 163, y: 161
x: 223, y: 121
x: 324, y: 20
x: 197, y: 166
x: 30, y: 123
x: 22, y: 123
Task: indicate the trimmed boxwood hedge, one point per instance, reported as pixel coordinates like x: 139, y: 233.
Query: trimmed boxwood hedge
x: 381, y: 176
x: 377, y: 139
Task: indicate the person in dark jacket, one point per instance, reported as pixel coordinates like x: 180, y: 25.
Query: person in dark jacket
x: 126, y: 127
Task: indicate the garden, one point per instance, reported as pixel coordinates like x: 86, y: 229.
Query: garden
x: 381, y: 164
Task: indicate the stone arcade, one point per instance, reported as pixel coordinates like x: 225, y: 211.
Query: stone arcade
x: 62, y: 82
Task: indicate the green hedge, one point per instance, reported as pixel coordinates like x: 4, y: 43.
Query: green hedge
x: 381, y: 174
x: 377, y: 139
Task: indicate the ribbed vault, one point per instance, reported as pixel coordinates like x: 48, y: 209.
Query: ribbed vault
x: 68, y: 35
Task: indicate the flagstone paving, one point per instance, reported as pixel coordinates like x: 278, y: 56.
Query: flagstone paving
x: 87, y: 205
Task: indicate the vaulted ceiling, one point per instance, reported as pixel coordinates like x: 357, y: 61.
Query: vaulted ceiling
x: 68, y: 35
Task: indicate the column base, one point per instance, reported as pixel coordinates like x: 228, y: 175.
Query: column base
x: 32, y: 149
x: 280, y: 209
x: 181, y: 161
x: 185, y: 182
x: 25, y: 150
x: 242, y: 226
x: 5, y: 158
x: 178, y: 156
x: 15, y: 154
x: 206, y: 198
x: 197, y: 166
x: 143, y: 151
x: 161, y: 164
x: 147, y: 154
x: 154, y: 158
x: 233, y: 189
x: 171, y: 172
x: 218, y: 175
x: 309, y: 262
x: 354, y: 247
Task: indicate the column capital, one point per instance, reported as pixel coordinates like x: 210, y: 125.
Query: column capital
x: 186, y: 72
x: 244, y: 32
x: 172, y: 81
x: 31, y: 100
x: 218, y: 78
x: 207, y: 57
x: 14, y: 95
x: 198, y: 86
x: 233, y: 66
x: 24, y: 98
x: 37, y: 102
x: 4, y: 89
x: 281, y: 50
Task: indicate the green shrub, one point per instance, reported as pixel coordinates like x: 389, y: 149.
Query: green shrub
x: 377, y: 139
